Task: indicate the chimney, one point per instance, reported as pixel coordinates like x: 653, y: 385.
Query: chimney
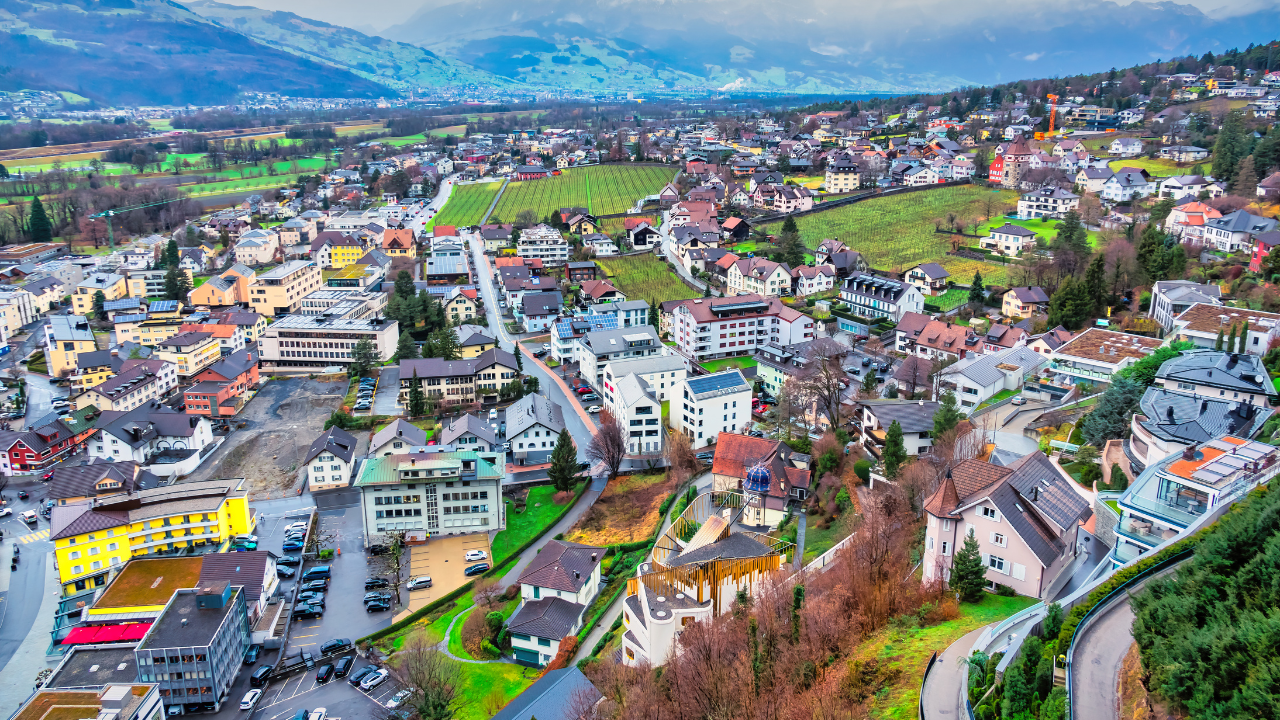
x: 1189, y: 453
x: 593, y: 557
x: 577, y: 575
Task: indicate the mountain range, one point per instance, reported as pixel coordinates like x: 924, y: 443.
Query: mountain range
x: 205, y: 52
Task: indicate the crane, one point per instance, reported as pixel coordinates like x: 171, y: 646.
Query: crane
x: 108, y: 214
x: 1053, y: 105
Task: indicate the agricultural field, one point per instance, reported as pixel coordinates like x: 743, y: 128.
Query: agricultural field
x: 602, y: 189
x: 897, y: 232
x: 645, y: 277
x: 1159, y: 166
x: 467, y: 205
x: 1046, y: 228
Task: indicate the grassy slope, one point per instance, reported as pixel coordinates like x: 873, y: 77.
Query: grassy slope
x: 897, y: 232
x: 603, y: 189
x: 909, y: 650
x: 529, y: 524
x: 1045, y: 228
x: 645, y: 277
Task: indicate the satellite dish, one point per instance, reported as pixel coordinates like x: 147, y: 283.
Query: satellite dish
x: 1259, y: 379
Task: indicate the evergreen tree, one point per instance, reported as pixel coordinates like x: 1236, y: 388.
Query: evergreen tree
x: 1095, y: 282
x: 395, y: 309
x: 406, y: 348
x: 364, y: 356
x: 977, y: 291
x: 792, y: 248
x: 417, y: 398
x: 445, y: 344
x: 1246, y: 184
x: 99, y: 305
x: 1231, y: 339
x: 1161, y: 211
x: 224, y: 237
x: 654, y: 320
x: 1111, y: 417
x: 1151, y: 252
x: 404, y: 285
x: 789, y: 225
x: 947, y: 416
x: 869, y: 388
x: 41, y: 228
x: 564, y: 463
x: 895, y: 451
x: 1070, y: 305
x: 424, y: 307
x: 968, y: 574
x: 1217, y: 344
x: 519, y: 361
x: 171, y: 282
x: 1230, y: 147
x: 1241, y: 344
x: 1175, y: 262
x: 1072, y: 235
x: 171, y: 258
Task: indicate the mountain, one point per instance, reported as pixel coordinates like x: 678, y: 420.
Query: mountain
x: 816, y: 46
x: 395, y: 64
x: 149, y: 52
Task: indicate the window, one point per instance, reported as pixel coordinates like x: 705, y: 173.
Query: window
x: 946, y: 524
x: 990, y: 513
x: 946, y: 548
x: 544, y: 642
x: 997, y: 564
x: 999, y: 539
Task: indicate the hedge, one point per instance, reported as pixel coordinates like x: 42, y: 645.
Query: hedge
x: 515, y: 556
x: 418, y: 614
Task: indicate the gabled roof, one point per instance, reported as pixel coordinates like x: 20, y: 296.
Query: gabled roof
x: 1030, y: 294
x: 1214, y: 368
x: 562, y: 565
x: 401, y: 428
x: 533, y: 410
x: 467, y: 424
x: 247, y: 569
x: 553, y: 697
x: 912, y: 415
x: 549, y: 617
x: 334, y: 440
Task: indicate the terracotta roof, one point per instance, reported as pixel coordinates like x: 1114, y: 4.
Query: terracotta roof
x: 1109, y: 347
x: 944, y: 501
x: 396, y: 238
x: 945, y: 336
x: 598, y: 288
x: 972, y: 476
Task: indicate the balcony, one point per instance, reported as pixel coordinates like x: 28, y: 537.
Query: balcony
x: 1164, y: 510
x: 1146, y: 533
x: 1125, y: 552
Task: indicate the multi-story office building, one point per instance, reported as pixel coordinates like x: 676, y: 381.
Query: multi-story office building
x: 459, y: 382
x: 444, y: 493
x: 355, y: 304
x: 280, y: 290
x: 319, y: 341
x: 195, y: 648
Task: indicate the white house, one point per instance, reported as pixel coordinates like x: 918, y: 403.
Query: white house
x: 1009, y: 240
x: 165, y: 442
x: 533, y: 425
x: 329, y: 460
x: 555, y: 590
x: 397, y: 438
x: 1047, y: 202
x: 807, y: 279
x: 637, y: 409
x: 1125, y: 147
x: 703, y: 407
x: 915, y: 417
x: 976, y: 379
x: 1094, y: 355
x: 1180, y: 186
x: 1126, y: 185
x: 1170, y: 298
x: 1235, y: 232
x: 662, y: 372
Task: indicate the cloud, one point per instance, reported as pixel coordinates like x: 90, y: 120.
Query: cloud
x: 739, y: 84
x: 827, y: 49
x: 987, y: 34
x: 1032, y: 57
x: 738, y: 53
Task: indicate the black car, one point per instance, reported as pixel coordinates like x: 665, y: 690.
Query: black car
x: 376, y: 582
x: 343, y: 666
x: 318, y: 585
x: 289, y: 560
x: 361, y: 674
x: 22, y: 495
x: 476, y: 569
x: 378, y: 550
x: 324, y: 674
x: 306, y: 610
x: 259, y: 676
x: 334, y: 645
x: 377, y: 606
x: 866, y: 362
x: 285, y: 572
x: 251, y: 656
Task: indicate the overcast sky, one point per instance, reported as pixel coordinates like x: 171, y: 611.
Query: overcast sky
x: 382, y: 14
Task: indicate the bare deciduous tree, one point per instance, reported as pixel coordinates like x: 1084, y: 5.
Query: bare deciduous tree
x: 608, y: 446
x: 434, y: 680
x: 391, y: 564
x: 822, y: 380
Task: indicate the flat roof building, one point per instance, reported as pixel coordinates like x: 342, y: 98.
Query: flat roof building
x: 318, y: 341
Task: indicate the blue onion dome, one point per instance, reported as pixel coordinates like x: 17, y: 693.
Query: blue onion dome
x: 758, y: 480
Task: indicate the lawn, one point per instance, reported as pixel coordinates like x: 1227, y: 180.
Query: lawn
x: 626, y: 511
x: 715, y: 366
x: 1159, y: 166
x: 602, y: 189
x: 997, y: 398
x: 897, y: 232
x: 818, y: 541
x: 540, y: 513
x: 908, y: 649
x: 467, y: 205
x: 1044, y: 227
x: 646, y: 277
x: 1114, y: 505
x: 38, y: 363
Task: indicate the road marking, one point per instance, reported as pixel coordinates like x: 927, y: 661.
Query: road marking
x: 33, y: 537
x: 306, y: 636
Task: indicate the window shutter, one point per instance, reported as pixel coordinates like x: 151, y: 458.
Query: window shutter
x: 992, y: 539
x: 1019, y: 572
x: 986, y: 560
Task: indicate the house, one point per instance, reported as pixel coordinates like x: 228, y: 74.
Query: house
x: 555, y: 696
x: 555, y: 590
x: 329, y: 461
x: 644, y: 237
x: 1049, y: 341
x: 908, y: 331
x: 236, y: 374
x: 1127, y: 184
x: 47, y: 441
x: 447, y: 266
x: 77, y: 483
x: 1170, y: 298
x: 1093, y: 179
x: 1235, y: 232
x: 1024, y: 302
x: 1269, y: 189
x: 759, y: 276
x: 930, y: 278
x: 459, y: 382
x: 138, y: 382
x: 943, y: 340
x: 531, y: 172
x: 1184, y: 153
x: 461, y: 307
x: 596, y: 291
x: 1094, y: 355
x: 93, y: 368
x: 533, y: 425
x: 1009, y: 240
x: 1025, y: 517
x: 1182, y: 186
x: 231, y: 287
x: 1049, y: 202
x: 977, y: 379
x: 1000, y: 337
x: 581, y: 271
x: 468, y: 432
x: 421, y: 491
x: 190, y: 351
x: 735, y: 229
x: 473, y: 340
x: 1227, y: 376
x: 871, y: 296
x: 537, y: 311
x: 257, y: 247
x: 807, y: 279
x: 1125, y: 147
x: 786, y: 471
x: 164, y: 441
x: 705, y: 406
x: 1187, y: 220
x: 843, y: 175
x: 915, y: 417
x: 397, y: 438
x: 66, y: 338
x: 583, y: 224
x: 1202, y: 324
x: 627, y: 312
x: 399, y: 243
x: 230, y: 337
x: 1169, y: 421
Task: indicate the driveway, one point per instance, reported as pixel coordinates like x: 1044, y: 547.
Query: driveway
x: 386, y: 400
x: 1099, y: 653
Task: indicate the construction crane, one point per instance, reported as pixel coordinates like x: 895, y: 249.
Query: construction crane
x: 1053, y: 105
x: 108, y: 214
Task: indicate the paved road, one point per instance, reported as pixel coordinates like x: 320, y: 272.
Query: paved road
x: 1099, y: 652
x: 418, y: 223
x: 669, y: 250
x: 941, y: 692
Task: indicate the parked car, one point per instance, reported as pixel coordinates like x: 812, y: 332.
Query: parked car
x: 377, y: 550
x: 289, y: 560
x: 376, y: 582
x: 334, y: 645
x: 259, y: 676
x: 324, y: 674
x: 590, y: 397
x: 304, y: 611
x: 546, y: 346
x: 473, y: 555
x: 594, y: 409
x: 476, y: 569
x: 291, y: 545
x: 312, y: 597
x: 420, y: 583
x: 319, y: 572
x: 251, y: 655
x: 1018, y: 400
x: 399, y: 698
x: 375, y: 679
x: 249, y: 699
x: 377, y: 597
x: 377, y: 606
x: 285, y: 572
x: 493, y: 413
x: 584, y: 390
x: 361, y: 674
x: 5, y: 512
x: 343, y: 666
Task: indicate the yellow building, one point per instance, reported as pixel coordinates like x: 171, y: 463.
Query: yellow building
x: 92, y: 539
x: 66, y: 338
x: 460, y: 309
x: 190, y: 351
x: 229, y: 288
x: 92, y: 369
x: 111, y: 286
x: 151, y: 331
x: 280, y: 290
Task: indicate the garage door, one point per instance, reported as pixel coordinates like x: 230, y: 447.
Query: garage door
x: 526, y: 657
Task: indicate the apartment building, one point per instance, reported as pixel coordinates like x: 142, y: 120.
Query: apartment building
x: 94, y: 368
x: 635, y: 405
x: 191, y: 352
x: 705, y: 406
x: 1095, y: 355
x: 661, y: 372
x: 758, y: 276
x: 1025, y: 517
x: 1171, y: 298
x: 1235, y: 377
x: 231, y: 287
x: 708, y: 328
x: 280, y: 290
x: 138, y: 381
x: 597, y: 348
x: 1049, y: 202
x: 319, y: 341
x: 1170, y: 420
x: 111, y: 286
x: 230, y: 337
x: 544, y: 243
x: 66, y: 337
x: 533, y: 425
x: 459, y: 382
x: 843, y: 175
x: 142, y: 329
x: 628, y: 312
x: 149, y: 283
x: 1202, y: 323
x: 195, y: 649
x: 93, y: 538
x: 872, y: 297
x: 444, y: 493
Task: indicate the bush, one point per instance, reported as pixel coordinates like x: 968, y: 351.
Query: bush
x: 1119, y: 481
x: 843, y: 503
x: 1004, y: 590
x: 862, y: 469
x: 809, y: 302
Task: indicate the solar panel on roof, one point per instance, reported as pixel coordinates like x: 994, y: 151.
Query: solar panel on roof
x: 719, y: 381
x: 164, y: 305
x: 121, y: 304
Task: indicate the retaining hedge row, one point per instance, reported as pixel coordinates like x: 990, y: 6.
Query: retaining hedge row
x: 513, y: 557
x: 418, y: 614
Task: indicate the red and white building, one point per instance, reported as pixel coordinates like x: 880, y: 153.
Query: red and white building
x: 709, y: 328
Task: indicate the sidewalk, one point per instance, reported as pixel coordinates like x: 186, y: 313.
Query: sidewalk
x: 584, y: 503
x: 20, y: 673
x: 940, y: 696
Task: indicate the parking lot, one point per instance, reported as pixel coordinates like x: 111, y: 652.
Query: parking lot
x: 443, y: 559
x: 339, y: 698
x: 387, y: 394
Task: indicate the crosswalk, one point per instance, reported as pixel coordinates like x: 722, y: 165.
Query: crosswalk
x: 33, y: 537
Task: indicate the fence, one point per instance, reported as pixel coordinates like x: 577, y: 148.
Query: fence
x: 927, y: 669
